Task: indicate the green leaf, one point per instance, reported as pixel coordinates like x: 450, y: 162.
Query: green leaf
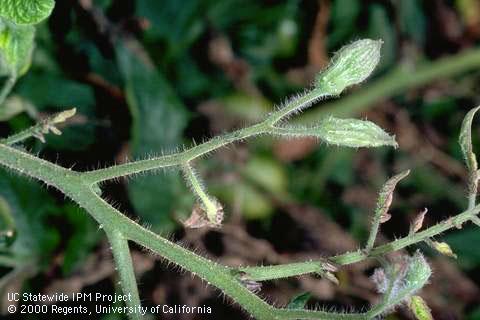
x: 461, y: 244
x: 7, y: 224
x: 420, y: 308
x: 266, y: 173
x: 176, y: 22
x: 351, y: 65
x: 30, y: 207
x: 13, y: 106
x: 26, y: 11
x: 82, y: 239
x: 299, y: 301
x: 380, y: 27
x: 412, y: 20
x: 16, y: 47
x: 158, y: 122
x: 343, y: 16
x: 465, y: 140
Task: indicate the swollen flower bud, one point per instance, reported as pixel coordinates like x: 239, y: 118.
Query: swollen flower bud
x: 349, y: 66
x: 354, y: 133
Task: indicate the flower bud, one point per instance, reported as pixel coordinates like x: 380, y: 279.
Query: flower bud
x: 354, y: 133
x: 349, y: 66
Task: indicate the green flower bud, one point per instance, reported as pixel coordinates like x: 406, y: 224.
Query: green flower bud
x: 349, y: 66
x: 354, y: 133
x: 342, y: 132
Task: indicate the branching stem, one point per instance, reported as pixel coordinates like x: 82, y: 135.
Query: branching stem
x: 77, y: 187
x: 186, y: 156
x: 350, y: 66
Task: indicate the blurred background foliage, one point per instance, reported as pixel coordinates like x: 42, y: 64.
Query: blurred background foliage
x: 151, y: 77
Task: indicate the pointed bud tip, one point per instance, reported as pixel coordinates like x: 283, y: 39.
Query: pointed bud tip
x: 351, y: 65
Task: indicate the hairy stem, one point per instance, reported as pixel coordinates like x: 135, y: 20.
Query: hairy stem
x: 263, y: 273
x: 197, y: 187
x: 43, y: 127
x: 76, y: 186
x: 215, y: 143
x: 123, y: 262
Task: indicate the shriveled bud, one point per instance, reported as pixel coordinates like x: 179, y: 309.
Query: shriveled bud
x: 63, y: 116
x: 331, y: 277
x: 443, y: 248
x: 210, y: 211
x: 385, y: 196
x: 385, y: 217
x: 418, y: 221
x: 351, y: 65
x: 420, y: 309
x: 199, y: 217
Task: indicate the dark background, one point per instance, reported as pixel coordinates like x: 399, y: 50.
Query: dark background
x: 149, y: 77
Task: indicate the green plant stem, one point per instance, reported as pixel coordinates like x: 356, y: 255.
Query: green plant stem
x: 186, y: 156
x: 360, y: 255
x: 472, y: 197
x: 394, y: 82
x: 7, y: 87
x: 199, y: 190
x: 77, y: 187
x: 296, y: 105
x: 373, y: 232
x: 303, y: 314
x: 476, y: 220
x: 173, y: 159
x: 283, y: 271
x: 43, y: 127
x: 23, y: 135
x: 123, y: 262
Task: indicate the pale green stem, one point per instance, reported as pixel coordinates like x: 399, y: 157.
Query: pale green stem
x: 473, y: 189
x: 472, y: 197
x: 281, y: 271
x: 45, y: 126
x: 303, y: 314
x: 297, y: 105
x: 173, y: 159
x: 7, y: 88
x: 197, y: 187
x: 360, y: 255
x: 374, y: 230
x: 23, y: 135
x: 188, y: 155
x: 123, y: 263
x: 476, y: 221
x: 77, y: 187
